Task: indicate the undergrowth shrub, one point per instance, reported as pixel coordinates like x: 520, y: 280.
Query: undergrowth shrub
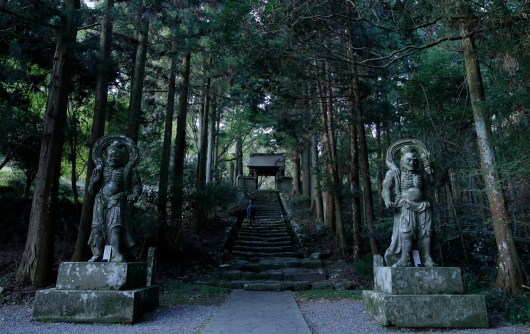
x: 515, y: 309
x: 364, y: 266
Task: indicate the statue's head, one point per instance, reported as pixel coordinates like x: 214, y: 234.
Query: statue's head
x: 116, y: 155
x: 409, y: 159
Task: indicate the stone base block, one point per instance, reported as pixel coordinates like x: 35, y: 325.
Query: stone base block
x: 101, y: 275
x: 94, y: 306
x: 418, y: 281
x: 455, y: 311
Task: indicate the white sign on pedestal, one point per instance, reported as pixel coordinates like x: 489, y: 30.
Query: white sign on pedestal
x: 416, y: 256
x: 107, y: 253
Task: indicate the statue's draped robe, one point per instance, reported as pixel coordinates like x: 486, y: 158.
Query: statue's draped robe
x: 415, y: 217
x: 115, y: 210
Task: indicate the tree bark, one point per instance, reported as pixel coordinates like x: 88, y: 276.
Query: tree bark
x: 509, y: 270
x: 211, y: 142
x: 329, y: 210
x: 203, y: 146
x: 166, y: 146
x: 306, y: 168
x: 82, y: 250
x: 239, y: 159
x: 179, y: 155
x: 317, y: 188
x: 73, y: 158
x: 365, y: 167
x: 135, y: 104
x: 296, y: 171
x: 355, y: 186
x: 37, y: 260
x: 333, y: 166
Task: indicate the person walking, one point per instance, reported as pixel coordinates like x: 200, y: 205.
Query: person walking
x: 251, y: 213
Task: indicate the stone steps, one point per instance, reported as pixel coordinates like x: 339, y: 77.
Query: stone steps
x: 270, y: 239
x: 253, y: 255
x: 263, y: 243
x: 287, y: 274
x: 263, y: 249
x: 265, y: 254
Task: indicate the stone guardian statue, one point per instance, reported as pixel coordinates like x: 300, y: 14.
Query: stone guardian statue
x: 404, y: 191
x: 116, y: 184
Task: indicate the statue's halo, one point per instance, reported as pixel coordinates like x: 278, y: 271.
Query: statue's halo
x: 103, y: 142
x: 394, y: 148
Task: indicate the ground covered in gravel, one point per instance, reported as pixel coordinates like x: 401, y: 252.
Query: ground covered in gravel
x: 347, y: 317
x: 182, y: 319
x: 322, y: 316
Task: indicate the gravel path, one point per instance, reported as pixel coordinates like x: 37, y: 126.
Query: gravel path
x: 323, y: 317
x: 185, y: 319
x: 347, y: 317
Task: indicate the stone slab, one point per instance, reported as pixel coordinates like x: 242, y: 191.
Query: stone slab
x: 94, y: 306
x: 418, y: 280
x: 451, y: 311
x: 258, y: 286
x: 258, y: 312
x: 101, y: 275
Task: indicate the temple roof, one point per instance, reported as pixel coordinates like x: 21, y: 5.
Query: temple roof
x: 262, y: 160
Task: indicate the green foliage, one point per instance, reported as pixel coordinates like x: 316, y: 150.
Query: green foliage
x: 206, y: 201
x: 515, y: 309
x: 322, y: 230
x: 10, y: 180
x: 328, y: 294
x: 365, y: 266
x: 178, y: 293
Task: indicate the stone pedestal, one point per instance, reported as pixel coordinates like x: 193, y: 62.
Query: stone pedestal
x: 285, y: 184
x: 423, y: 297
x: 97, y: 292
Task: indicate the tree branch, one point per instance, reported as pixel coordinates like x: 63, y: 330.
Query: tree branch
x: 415, y: 49
x: 3, y: 9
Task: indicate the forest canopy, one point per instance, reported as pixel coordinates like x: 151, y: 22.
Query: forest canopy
x: 200, y: 85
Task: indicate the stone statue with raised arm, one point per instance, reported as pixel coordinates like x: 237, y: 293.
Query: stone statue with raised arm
x: 116, y: 185
x: 404, y: 191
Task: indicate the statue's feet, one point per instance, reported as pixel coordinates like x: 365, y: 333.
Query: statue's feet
x: 95, y: 258
x: 118, y: 258
x: 402, y: 263
x: 429, y: 262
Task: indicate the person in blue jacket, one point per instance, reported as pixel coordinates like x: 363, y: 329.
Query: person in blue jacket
x: 251, y: 213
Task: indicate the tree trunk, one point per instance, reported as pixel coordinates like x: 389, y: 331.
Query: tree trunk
x: 203, y: 146
x: 137, y: 87
x: 317, y: 188
x: 211, y: 142
x: 179, y: 155
x: 27, y: 185
x: 355, y: 186
x: 73, y: 157
x: 166, y: 147
x: 329, y: 210
x: 509, y: 270
x: 306, y: 168
x: 239, y: 160
x: 37, y: 260
x: 217, y: 109
x: 365, y: 167
x: 296, y: 172
x: 336, y: 184
x: 380, y: 166
x: 82, y: 250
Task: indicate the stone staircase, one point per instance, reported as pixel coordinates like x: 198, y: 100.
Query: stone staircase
x: 266, y: 254
x: 270, y: 237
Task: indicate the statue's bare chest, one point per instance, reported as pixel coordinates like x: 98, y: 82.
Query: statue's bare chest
x: 412, y: 186
x: 113, y: 182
